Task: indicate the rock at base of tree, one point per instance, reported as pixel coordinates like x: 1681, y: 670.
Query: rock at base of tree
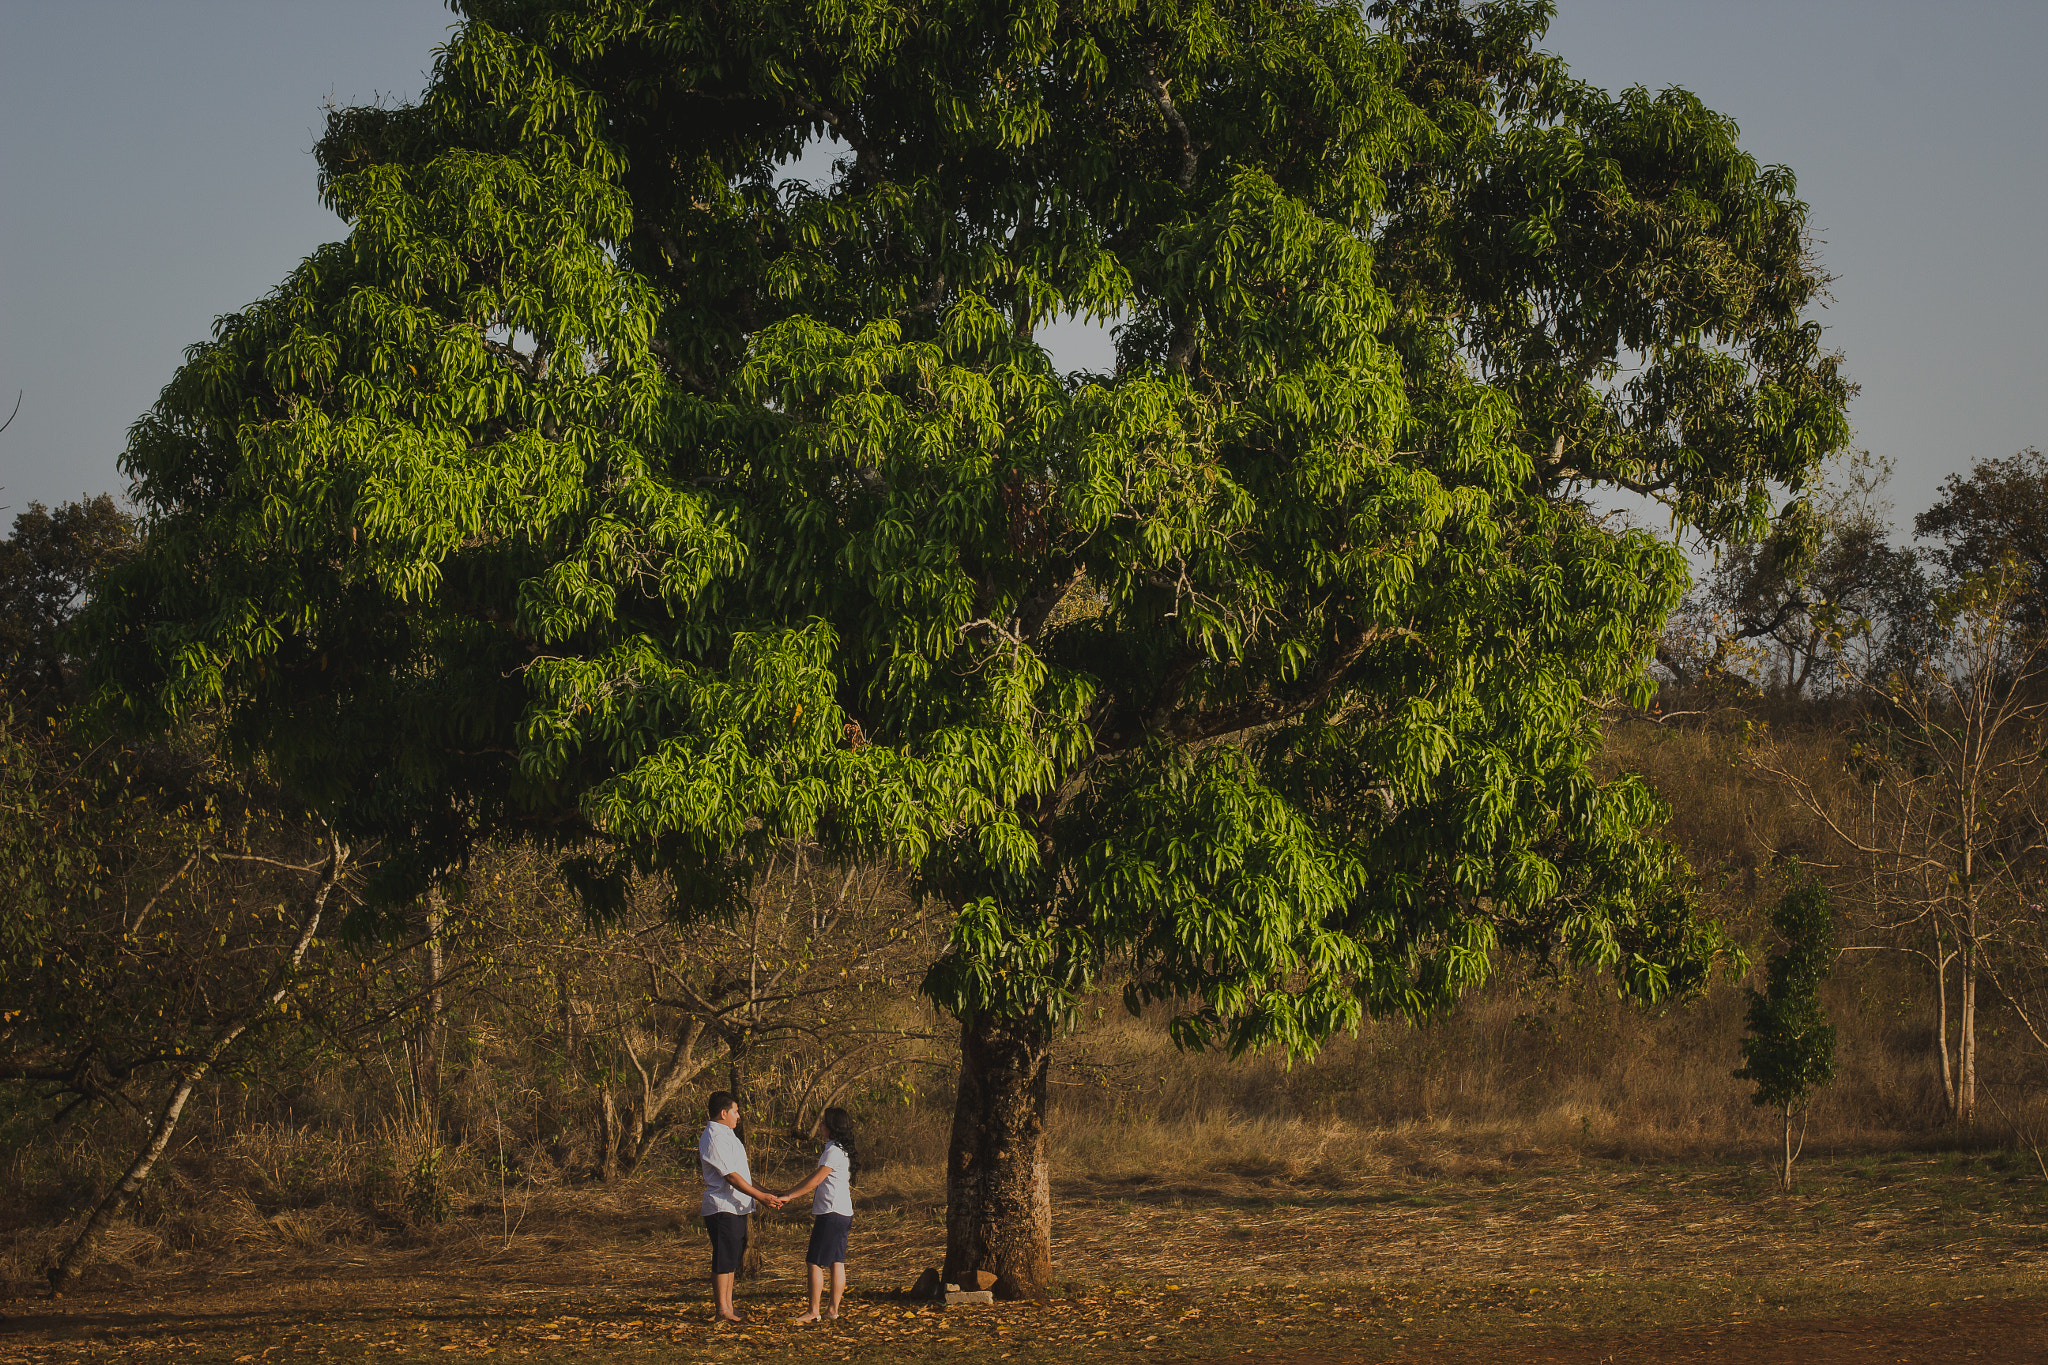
x: 968, y: 1298
x: 984, y: 1279
x: 927, y: 1286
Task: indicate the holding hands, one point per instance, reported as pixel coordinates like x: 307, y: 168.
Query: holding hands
x: 767, y: 1200
x: 817, y: 1179
x: 776, y: 1201
x: 753, y: 1191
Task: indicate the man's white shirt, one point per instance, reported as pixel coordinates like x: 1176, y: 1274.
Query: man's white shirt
x: 721, y: 1153
x: 835, y: 1194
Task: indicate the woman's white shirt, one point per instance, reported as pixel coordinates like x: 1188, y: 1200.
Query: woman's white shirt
x: 835, y: 1193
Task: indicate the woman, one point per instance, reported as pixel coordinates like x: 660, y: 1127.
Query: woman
x: 831, y: 1191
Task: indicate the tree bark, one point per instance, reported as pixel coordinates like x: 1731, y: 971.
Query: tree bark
x: 998, y: 1195
x: 1966, y: 1072
x: 427, y: 1053
x: 608, y: 1136
x: 648, y: 1116
x: 1948, y: 1075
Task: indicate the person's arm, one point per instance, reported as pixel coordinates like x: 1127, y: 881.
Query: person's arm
x: 817, y: 1179
x: 746, y: 1186
x: 727, y: 1156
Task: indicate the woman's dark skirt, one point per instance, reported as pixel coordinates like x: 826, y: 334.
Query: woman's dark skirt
x: 828, y: 1239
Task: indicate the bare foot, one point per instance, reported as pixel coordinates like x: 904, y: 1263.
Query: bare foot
x: 808, y: 1317
x: 732, y: 1318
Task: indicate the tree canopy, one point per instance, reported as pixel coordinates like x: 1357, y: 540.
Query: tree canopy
x: 47, y: 562
x: 1995, y: 521
x: 1821, y: 602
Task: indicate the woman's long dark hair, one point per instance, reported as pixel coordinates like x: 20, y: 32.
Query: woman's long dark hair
x: 839, y: 1127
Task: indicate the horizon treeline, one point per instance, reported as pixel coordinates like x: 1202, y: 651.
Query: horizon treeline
x: 187, y: 957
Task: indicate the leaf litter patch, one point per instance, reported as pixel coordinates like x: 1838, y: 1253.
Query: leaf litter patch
x: 1556, y: 1262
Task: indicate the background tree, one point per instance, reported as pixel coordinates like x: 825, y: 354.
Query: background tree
x: 1946, y: 774
x: 151, y: 907
x: 1995, y: 519
x: 1790, y: 1050
x: 602, y: 1035
x: 602, y: 489
x: 783, y: 1004
x: 47, y: 563
x: 150, y: 919
x: 1819, y: 601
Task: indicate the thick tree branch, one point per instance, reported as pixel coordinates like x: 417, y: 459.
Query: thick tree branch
x: 1189, y: 154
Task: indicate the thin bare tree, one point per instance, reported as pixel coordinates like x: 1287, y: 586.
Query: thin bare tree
x: 1936, y: 809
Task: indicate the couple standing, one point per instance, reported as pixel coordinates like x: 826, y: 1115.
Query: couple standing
x: 730, y: 1195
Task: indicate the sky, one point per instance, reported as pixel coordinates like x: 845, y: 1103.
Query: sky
x: 156, y: 171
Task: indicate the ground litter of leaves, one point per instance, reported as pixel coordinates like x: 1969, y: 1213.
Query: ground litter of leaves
x: 1874, y: 1258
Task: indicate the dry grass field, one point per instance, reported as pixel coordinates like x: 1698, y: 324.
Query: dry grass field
x: 1287, y: 1240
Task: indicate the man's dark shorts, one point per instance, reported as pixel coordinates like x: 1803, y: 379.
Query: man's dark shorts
x: 828, y: 1239
x: 728, y: 1241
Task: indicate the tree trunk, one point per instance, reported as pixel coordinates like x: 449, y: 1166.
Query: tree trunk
x: 1966, y: 1045
x: 659, y: 1093
x: 998, y: 1197
x: 635, y: 1138
x: 607, y: 1135
x: 623, y: 1134
x: 427, y: 1061
x: 1787, y: 1181
x: 572, y: 1023
x: 1948, y: 1077
x: 66, y: 1265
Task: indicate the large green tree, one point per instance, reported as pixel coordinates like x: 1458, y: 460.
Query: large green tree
x: 604, y: 487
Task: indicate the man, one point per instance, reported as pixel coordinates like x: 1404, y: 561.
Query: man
x: 729, y: 1196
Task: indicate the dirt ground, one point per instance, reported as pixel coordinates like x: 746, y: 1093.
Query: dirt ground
x: 1534, y: 1258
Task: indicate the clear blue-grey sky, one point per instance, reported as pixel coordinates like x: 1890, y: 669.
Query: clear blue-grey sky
x: 155, y: 172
